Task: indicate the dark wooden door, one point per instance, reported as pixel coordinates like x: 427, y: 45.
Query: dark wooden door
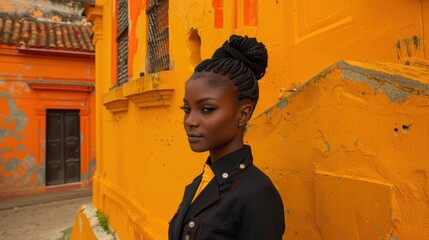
x: 62, y: 147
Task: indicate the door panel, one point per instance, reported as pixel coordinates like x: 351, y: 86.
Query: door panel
x: 62, y: 147
x: 54, y: 168
x: 72, y: 148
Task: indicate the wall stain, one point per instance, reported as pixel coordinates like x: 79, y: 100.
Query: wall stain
x: 16, y: 115
x: 398, y: 49
x: 416, y: 42
x: 19, y: 172
x: 407, y: 46
x: 91, y: 169
x: 282, y: 104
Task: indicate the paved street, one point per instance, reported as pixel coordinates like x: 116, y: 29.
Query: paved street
x: 43, y: 218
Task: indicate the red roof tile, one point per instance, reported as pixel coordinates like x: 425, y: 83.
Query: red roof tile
x: 34, y: 33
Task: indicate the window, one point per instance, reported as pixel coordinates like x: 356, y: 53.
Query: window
x: 122, y: 41
x: 158, y: 37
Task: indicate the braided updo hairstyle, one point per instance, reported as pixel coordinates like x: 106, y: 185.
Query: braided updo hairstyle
x: 243, y: 60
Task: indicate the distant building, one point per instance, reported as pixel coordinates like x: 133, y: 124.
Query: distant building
x: 47, y: 110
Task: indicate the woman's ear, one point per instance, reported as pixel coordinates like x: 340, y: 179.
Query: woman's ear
x: 246, y: 110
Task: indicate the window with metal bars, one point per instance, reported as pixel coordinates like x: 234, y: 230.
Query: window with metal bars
x: 122, y: 41
x: 158, y: 58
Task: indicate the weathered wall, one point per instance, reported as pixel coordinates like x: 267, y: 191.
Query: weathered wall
x: 23, y: 116
x: 348, y: 153
x: 143, y: 157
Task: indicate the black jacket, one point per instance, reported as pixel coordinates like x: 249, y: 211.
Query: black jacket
x: 240, y: 202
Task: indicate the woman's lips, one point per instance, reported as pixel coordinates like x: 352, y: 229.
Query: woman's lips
x: 194, y: 137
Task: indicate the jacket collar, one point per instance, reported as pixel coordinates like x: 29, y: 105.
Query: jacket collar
x: 231, y: 164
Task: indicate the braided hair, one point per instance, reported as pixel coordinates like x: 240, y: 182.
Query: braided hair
x: 241, y: 59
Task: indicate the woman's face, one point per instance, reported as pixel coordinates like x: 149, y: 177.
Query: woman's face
x: 212, y: 115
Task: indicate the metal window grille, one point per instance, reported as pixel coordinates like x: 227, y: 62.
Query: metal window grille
x: 158, y: 37
x: 122, y: 41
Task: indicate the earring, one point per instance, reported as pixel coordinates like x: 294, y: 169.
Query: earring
x: 240, y: 124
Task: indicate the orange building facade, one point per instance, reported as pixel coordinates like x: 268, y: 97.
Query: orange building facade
x: 47, y: 104
x: 343, y: 141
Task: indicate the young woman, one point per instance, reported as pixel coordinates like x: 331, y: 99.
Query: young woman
x: 232, y: 198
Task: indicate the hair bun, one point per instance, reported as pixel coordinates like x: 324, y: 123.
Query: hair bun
x: 249, y: 51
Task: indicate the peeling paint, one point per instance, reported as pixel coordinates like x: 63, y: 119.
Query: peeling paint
x: 359, y: 77
x: 13, y: 163
x: 15, y: 114
x: 91, y: 170
x: 282, y: 104
x: 394, y: 93
x: 398, y: 88
x: 4, y: 132
x: 19, y: 172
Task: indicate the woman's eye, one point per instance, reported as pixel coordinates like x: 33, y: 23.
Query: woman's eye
x: 207, y: 109
x: 186, y: 109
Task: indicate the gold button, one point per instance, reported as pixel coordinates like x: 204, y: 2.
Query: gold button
x: 191, y: 224
x: 187, y: 237
x: 242, y: 166
x: 225, y: 175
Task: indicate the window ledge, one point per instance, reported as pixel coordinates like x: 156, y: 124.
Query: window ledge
x: 114, y: 101
x: 148, y: 91
x: 61, y: 85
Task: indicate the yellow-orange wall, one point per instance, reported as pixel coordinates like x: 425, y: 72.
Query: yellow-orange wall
x: 143, y: 157
x: 348, y: 153
x: 23, y: 116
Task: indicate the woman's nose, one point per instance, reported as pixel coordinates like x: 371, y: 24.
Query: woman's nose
x: 191, y: 120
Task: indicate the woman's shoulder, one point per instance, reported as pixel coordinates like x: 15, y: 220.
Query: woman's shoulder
x: 255, y: 180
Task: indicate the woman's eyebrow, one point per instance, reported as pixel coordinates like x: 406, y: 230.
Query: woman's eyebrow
x: 206, y: 99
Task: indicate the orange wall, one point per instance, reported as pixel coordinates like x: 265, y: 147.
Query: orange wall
x: 23, y: 116
x: 348, y: 153
x: 144, y: 161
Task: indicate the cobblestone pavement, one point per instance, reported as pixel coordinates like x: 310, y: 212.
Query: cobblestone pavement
x: 40, y: 222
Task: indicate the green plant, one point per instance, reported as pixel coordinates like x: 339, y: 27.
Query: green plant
x: 66, y: 233
x: 103, y: 219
